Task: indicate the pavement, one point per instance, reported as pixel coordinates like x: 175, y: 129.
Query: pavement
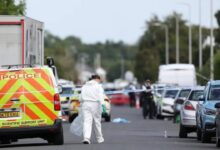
x: 139, y: 134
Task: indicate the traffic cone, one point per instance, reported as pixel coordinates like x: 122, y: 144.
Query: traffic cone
x: 137, y: 103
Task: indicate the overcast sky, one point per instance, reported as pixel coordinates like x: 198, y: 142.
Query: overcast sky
x: 99, y: 20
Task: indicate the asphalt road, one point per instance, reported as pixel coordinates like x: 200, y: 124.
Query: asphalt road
x: 137, y: 135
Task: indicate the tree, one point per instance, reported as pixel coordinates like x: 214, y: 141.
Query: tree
x: 151, y: 46
x: 9, y: 7
x: 217, y: 66
x: 217, y: 37
x: 147, y: 63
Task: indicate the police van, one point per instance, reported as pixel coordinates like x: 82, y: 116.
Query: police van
x: 29, y: 104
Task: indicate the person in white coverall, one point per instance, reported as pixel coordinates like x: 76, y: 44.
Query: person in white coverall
x: 91, y: 95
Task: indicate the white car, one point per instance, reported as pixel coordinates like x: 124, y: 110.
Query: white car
x: 188, y: 112
x: 165, y: 105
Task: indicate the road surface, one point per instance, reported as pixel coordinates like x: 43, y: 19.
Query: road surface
x: 139, y: 134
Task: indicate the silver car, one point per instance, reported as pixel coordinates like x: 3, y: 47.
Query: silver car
x: 188, y: 112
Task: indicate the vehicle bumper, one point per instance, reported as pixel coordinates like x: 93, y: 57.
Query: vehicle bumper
x: 209, y: 124
x: 167, y: 111
x: 31, y: 132
x: 188, y: 118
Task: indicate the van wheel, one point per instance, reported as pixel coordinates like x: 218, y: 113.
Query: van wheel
x: 108, y: 118
x: 58, y: 138
x: 182, y: 132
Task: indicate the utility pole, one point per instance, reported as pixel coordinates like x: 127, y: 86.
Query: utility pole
x: 167, y: 43
x: 200, y: 35
x: 190, y: 33
x: 211, y: 43
x: 177, y: 39
x: 166, y: 40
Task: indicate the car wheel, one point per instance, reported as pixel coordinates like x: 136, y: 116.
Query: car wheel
x: 108, y: 118
x: 5, y: 141
x: 57, y: 139
x: 205, y: 138
x: 199, y: 134
x: 182, y: 132
x: 217, y: 139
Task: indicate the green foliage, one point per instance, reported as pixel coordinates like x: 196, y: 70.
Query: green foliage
x: 152, y: 45
x: 217, y: 37
x: 217, y: 66
x: 8, y: 7
x: 63, y: 55
x: 147, y: 63
x: 111, y: 55
x: 69, y: 51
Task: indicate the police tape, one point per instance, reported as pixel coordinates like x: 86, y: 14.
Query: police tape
x: 118, y: 92
x: 124, y: 91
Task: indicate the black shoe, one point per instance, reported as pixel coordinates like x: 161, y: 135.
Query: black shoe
x: 86, y: 142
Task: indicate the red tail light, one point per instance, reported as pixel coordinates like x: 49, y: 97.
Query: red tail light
x: 57, y: 106
x: 188, y: 106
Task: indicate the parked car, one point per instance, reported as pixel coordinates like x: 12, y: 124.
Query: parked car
x: 188, y: 112
x: 217, y: 120
x: 75, y: 104
x: 181, y: 97
x: 206, y: 112
x: 65, y: 97
x: 120, y: 99
x: 165, y: 106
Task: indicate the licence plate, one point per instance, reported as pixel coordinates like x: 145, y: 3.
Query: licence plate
x: 9, y: 114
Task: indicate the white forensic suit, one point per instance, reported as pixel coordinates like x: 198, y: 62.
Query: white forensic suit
x: 91, y: 95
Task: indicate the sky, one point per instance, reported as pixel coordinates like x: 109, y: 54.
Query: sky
x: 116, y: 20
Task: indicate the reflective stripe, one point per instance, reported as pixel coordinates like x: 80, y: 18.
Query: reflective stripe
x: 34, y: 91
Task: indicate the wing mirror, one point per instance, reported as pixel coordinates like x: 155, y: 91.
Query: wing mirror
x: 217, y: 105
x: 60, y: 90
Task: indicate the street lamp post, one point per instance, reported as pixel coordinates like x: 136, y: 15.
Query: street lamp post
x: 166, y: 41
x: 190, y: 32
x: 177, y: 39
x: 211, y: 43
x: 200, y: 36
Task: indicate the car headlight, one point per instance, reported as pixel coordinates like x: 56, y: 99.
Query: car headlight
x: 209, y: 112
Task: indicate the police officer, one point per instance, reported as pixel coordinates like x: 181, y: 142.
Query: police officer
x: 148, y: 105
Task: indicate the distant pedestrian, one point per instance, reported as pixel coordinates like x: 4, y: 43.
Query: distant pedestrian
x: 131, y: 94
x: 148, y: 105
x: 91, y: 95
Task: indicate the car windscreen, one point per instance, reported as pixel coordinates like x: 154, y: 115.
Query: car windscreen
x: 67, y: 91
x: 214, y: 93
x: 184, y: 93
x: 159, y: 91
x: 194, y: 95
x: 171, y: 93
